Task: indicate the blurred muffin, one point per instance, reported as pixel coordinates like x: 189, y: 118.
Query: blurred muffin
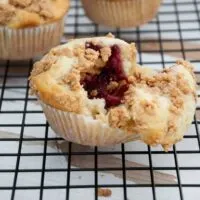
x: 30, y: 27
x: 121, y: 13
x: 93, y: 93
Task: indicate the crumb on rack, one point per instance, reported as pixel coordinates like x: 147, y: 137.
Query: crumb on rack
x: 104, y: 192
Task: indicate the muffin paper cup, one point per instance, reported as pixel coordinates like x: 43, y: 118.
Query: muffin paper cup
x: 26, y: 43
x: 84, y: 129
x: 121, y: 13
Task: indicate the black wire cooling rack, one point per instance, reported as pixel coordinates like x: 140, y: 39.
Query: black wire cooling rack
x: 35, y: 164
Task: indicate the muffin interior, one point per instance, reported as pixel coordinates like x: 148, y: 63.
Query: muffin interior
x: 111, y: 82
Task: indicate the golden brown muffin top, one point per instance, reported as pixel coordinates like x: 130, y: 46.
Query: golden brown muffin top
x: 29, y: 13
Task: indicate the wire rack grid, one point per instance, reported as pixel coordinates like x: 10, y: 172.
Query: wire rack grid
x: 36, y: 164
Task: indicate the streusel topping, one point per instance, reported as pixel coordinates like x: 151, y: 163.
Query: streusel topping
x: 13, y: 13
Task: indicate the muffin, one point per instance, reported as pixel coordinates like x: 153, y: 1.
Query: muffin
x: 121, y: 13
x: 30, y: 27
x: 93, y: 93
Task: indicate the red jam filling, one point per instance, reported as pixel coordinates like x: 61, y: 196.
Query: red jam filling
x: 112, y: 71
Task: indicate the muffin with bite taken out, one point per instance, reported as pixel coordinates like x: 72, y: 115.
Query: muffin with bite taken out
x: 93, y: 93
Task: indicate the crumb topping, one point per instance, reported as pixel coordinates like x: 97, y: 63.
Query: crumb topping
x: 112, y: 85
x: 165, y: 83
x: 91, y: 55
x: 73, y: 79
x: 119, y: 117
x: 62, y: 52
x: 21, y: 3
x: 89, y: 60
x: 6, y: 13
x: 172, y: 128
x: 73, y: 102
x: 46, y: 10
x: 42, y: 7
x: 105, y: 53
x: 43, y: 65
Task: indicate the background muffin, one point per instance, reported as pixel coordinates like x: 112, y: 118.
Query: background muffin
x: 121, y: 13
x: 30, y: 27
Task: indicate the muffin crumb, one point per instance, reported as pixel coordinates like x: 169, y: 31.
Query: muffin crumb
x: 46, y: 9
x: 104, y: 192
x: 6, y: 13
x: 119, y: 117
x: 43, y: 65
x: 91, y: 54
x: 112, y: 85
x: 99, y: 63
x: 171, y: 127
x: 21, y: 3
x: 62, y: 52
x: 79, y: 50
x: 94, y: 93
x: 110, y: 35
x: 105, y: 53
x: 73, y: 79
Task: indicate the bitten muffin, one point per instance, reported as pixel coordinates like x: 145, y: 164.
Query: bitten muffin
x: 121, y: 13
x: 93, y: 93
x: 30, y: 27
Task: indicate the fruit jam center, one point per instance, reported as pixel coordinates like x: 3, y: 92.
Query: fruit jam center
x: 111, y: 72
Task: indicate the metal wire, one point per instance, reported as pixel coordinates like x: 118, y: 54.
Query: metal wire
x: 75, y: 28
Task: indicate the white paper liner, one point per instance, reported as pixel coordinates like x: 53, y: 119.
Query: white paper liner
x: 84, y: 129
x: 26, y: 43
x: 121, y: 13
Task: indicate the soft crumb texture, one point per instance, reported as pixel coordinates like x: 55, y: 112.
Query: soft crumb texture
x: 158, y: 106
x: 104, y: 192
x: 26, y: 13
